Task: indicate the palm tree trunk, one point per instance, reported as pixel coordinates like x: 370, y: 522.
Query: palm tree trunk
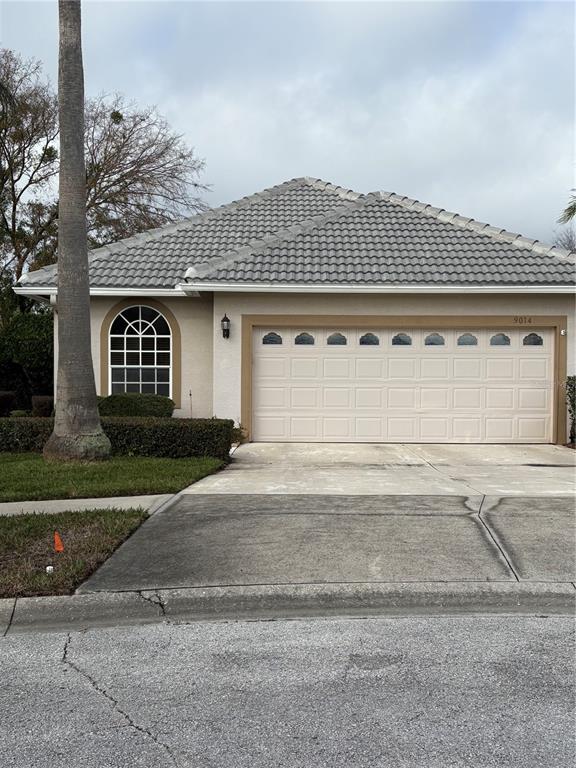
x: 77, y: 431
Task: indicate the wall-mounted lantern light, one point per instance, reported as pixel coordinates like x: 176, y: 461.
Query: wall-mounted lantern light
x: 225, y: 325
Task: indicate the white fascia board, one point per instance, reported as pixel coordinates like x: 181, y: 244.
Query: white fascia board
x: 312, y: 288
x: 38, y: 290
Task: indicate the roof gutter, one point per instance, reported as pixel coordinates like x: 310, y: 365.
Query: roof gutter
x: 34, y: 291
x: 191, y: 287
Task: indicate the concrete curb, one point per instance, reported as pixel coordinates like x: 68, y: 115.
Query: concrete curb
x: 107, y: 609
x: 52, y: 506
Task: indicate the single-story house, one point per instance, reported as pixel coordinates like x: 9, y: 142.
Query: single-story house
x: 308, y: 312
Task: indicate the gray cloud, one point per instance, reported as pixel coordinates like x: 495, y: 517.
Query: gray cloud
x: 465, y: 105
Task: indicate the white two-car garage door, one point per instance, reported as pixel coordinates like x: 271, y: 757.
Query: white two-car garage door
x: 409, y: 385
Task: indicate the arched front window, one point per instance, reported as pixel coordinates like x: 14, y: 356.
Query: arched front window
x: 141, y: 352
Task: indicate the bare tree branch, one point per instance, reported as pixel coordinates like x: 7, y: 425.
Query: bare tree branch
x: 139, y: 173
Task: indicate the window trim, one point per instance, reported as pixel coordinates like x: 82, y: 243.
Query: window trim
x: 176, y: 345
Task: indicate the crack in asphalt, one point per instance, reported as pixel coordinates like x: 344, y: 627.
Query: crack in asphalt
x: 115, y: 703
x: 11, y: 619
x: 149, y: 598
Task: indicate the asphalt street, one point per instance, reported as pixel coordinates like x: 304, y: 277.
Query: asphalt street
x: 406, y: 692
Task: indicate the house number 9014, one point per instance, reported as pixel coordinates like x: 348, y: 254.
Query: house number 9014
x: 523, y: 320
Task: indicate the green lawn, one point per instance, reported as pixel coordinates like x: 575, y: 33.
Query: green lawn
x: 26, y: 477
x: 89, y: 538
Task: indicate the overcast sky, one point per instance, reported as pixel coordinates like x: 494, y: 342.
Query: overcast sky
x: 465, y: 105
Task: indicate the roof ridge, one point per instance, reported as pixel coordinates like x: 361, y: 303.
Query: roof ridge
x: 465, y: 222
x: 286, y: 234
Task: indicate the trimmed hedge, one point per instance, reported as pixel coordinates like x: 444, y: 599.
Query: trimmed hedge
x: 168, y: 438
x: 136, y: 404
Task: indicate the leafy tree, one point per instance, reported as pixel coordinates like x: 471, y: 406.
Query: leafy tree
x: 139, y: 172
x: 77, y: 434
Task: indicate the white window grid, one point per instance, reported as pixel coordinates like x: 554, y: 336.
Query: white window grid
x: 138, y: 357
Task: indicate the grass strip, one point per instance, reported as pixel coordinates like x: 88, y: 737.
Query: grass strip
x: 27, y: 477
x: 89, y: 538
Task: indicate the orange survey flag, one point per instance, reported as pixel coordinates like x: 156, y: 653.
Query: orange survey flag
x: 58, y: 545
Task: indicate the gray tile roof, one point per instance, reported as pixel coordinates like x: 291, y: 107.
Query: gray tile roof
x: 308, y: 231
x: 160, y: 257
x: 383, y: 238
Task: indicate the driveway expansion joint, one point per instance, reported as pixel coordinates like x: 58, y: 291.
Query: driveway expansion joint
x: 496, y: 542
x: 146, y: 732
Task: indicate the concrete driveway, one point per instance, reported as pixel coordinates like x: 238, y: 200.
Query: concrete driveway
x: 361, y: 514
x: 346, y: 468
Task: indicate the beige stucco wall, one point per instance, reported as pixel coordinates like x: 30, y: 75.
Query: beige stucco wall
x: 227, y: 352
x: 211, y: 364
x: 194, y: 316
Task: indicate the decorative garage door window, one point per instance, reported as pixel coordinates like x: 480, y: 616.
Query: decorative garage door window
x: 337, y: 339
x: 500, y: 340
x: 140, y: 352
x: 533, y: 340
x: 401, y: 340
x: 434, y: 340
x: 369, y: 340
x: 272, y: 338
x: 304, y: 338
x: 467, y: 340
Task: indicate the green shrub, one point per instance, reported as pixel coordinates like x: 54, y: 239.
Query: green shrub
x: 7, y: 402
x: 571, y: 401
x: 169, y: 438
x: 42, y: 405
x: 19, y: 414
x: 136, y: 404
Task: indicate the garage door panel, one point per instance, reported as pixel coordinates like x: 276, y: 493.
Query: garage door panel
x: 434, y: 368
x: 273, y: 397
x: 499, y: 368
x: 335, y: 428
x: 501, y: 397
x: 401, y: 368
x: 465, y: 429
x: 402, y: 429
x: 272, y: 368
x: 434, y: 398
x: 533, y: 399
x: 533, y: 368
x: 467, y: 398
x: 499, y: 428
x: 304, y: 397
x: 468, y: 368
x: 533, y: 428
x: 304, y: 368
x: 338, y: 397
x: 368, y: 398
x: 369, y: 368
x: 403, y: 390
x: 401, y: 397
x: 305, y: 428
